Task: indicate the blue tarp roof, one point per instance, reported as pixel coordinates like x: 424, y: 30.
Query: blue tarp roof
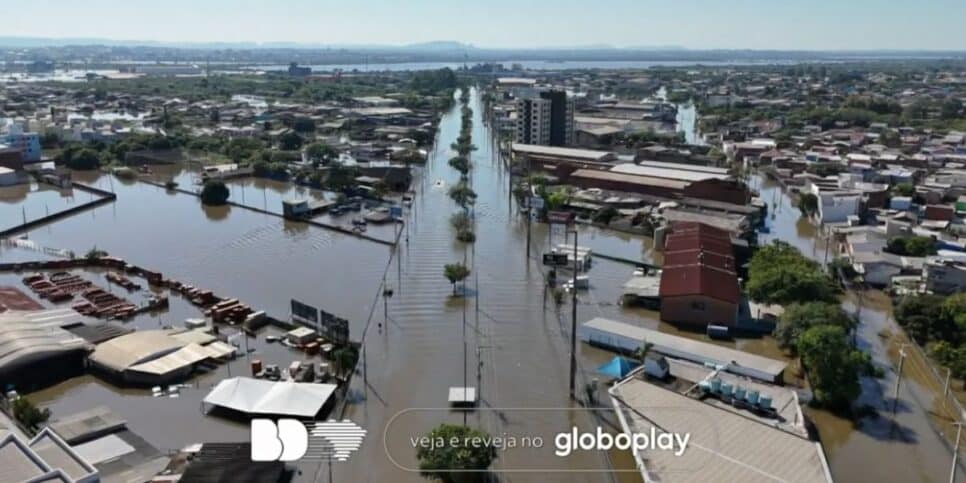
x: 618, y: 367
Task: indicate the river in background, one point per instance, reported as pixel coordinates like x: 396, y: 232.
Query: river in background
x: 418, y: 353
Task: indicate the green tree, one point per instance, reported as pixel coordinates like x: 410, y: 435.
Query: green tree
x: 341, y: 177
x: 924, y: 318
x: 606, y: 215
x: 455, y: 272
x: 779, y: 274
x: 290, y: 141
x: 463, y: 462
x: 321, y: 152
x: 215, y: 193
x: 905, y: 189
x: 807, y: 204
x: 913, y: 246
x: 462, y: 194
x: 800, y: 317
x: 303, y: 124
x: 83, y: 159
x: 345, y: 359
x: 28, y: 415
x: 832, y: 365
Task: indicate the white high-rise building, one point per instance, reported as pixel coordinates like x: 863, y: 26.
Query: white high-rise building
x: 546, y: 119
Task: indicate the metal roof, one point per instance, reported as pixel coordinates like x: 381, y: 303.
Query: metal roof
x: 585, y: 154
x: 27, y: 337
x: 702, y: 351
x: 667, y: 173
x: 724, y: 446
x: 256, y: 396
x: 129, y: 350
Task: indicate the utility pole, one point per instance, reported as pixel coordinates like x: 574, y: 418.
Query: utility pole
x: 573, y: 325
x: 528, y: 200
x: 952, y: 471
x: 902, y: 358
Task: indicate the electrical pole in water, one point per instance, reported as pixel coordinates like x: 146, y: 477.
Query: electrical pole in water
x: 573, y: 325
x: 902, y: 358
x: 952, y: 471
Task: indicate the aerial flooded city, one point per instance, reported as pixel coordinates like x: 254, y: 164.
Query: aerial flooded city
x: 267, y: 252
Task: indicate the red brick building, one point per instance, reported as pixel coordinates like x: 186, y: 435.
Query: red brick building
x: 699, y: 285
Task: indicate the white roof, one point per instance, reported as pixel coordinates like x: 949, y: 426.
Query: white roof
x: 667, y: 172
x: 256, y: 396
x: 103, y: 449
x: 26, y: 337
x: 723, y: 447
x: 585, y: 154
x: 690, y: 349
x: 120, y: 353
x: 186, y: 356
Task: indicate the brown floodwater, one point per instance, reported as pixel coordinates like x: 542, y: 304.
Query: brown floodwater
x: 910, y: 444
x: 418, y: 353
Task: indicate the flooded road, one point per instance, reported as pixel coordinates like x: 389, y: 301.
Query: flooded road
x: 908, y: 444
x: 513, y: 330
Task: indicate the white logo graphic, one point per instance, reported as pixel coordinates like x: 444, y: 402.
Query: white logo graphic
x: 290, y: 440
x: 286, y: 440
x: 336, y: 440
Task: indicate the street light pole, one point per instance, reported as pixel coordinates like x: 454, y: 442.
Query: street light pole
x: 573, y: 324
x: 952, y: 471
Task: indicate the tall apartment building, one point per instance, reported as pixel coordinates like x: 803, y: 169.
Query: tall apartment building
x: 546, y: 118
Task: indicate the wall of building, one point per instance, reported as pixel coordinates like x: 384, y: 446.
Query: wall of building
x: 698, y: 311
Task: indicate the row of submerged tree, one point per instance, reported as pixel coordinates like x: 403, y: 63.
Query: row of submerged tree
x: 462, y: 192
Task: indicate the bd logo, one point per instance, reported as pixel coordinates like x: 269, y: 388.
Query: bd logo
x: 290, y: 439
x: 286, y: 440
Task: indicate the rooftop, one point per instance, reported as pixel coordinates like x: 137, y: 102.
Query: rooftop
x: 724, y: 446
x: 690, y: 349
x: 584, y: 154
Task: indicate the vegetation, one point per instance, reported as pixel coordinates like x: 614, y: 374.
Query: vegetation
x: 463, y: 225
x: 939, y: 324
x: 463, y: 462
x: 800, y: 317
x: 833, y: 366
x: 808, y: 204
x: 29, y: 416
x: 455, y: 272
x: 81, y: 159
x: 434, y: 81
x: 912, y: 246
x: 345, y: 358
x: 321, y: 153
x: 779, y: 274
x: 214, y: 193
x: 605, y: 215
x: 462, y: 194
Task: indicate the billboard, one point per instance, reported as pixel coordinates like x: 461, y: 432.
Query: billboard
x: 555, y: 259
x: 305, y: 313
x: 333, y: 328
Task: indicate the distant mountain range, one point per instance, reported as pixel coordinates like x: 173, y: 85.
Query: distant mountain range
x: 101, y: 51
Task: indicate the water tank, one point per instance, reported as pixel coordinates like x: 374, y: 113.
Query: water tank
x: 739, y: 392
x: 752, y: 397
x: 726, y: 389
x: 716, y: 385
x: 764, y: 401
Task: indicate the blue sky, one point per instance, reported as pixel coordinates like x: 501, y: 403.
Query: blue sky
x: 754, y: 24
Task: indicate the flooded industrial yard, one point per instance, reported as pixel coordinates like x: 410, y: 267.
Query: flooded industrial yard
x: 513, y: 330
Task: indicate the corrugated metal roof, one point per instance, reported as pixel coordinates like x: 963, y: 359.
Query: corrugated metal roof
x: 180, y: 359
x: 702, y: 351
x: 629, y: 178
x: 256, y: 396
x: 723, y: 446
x: 128, y: 350
x: 667, y: 173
